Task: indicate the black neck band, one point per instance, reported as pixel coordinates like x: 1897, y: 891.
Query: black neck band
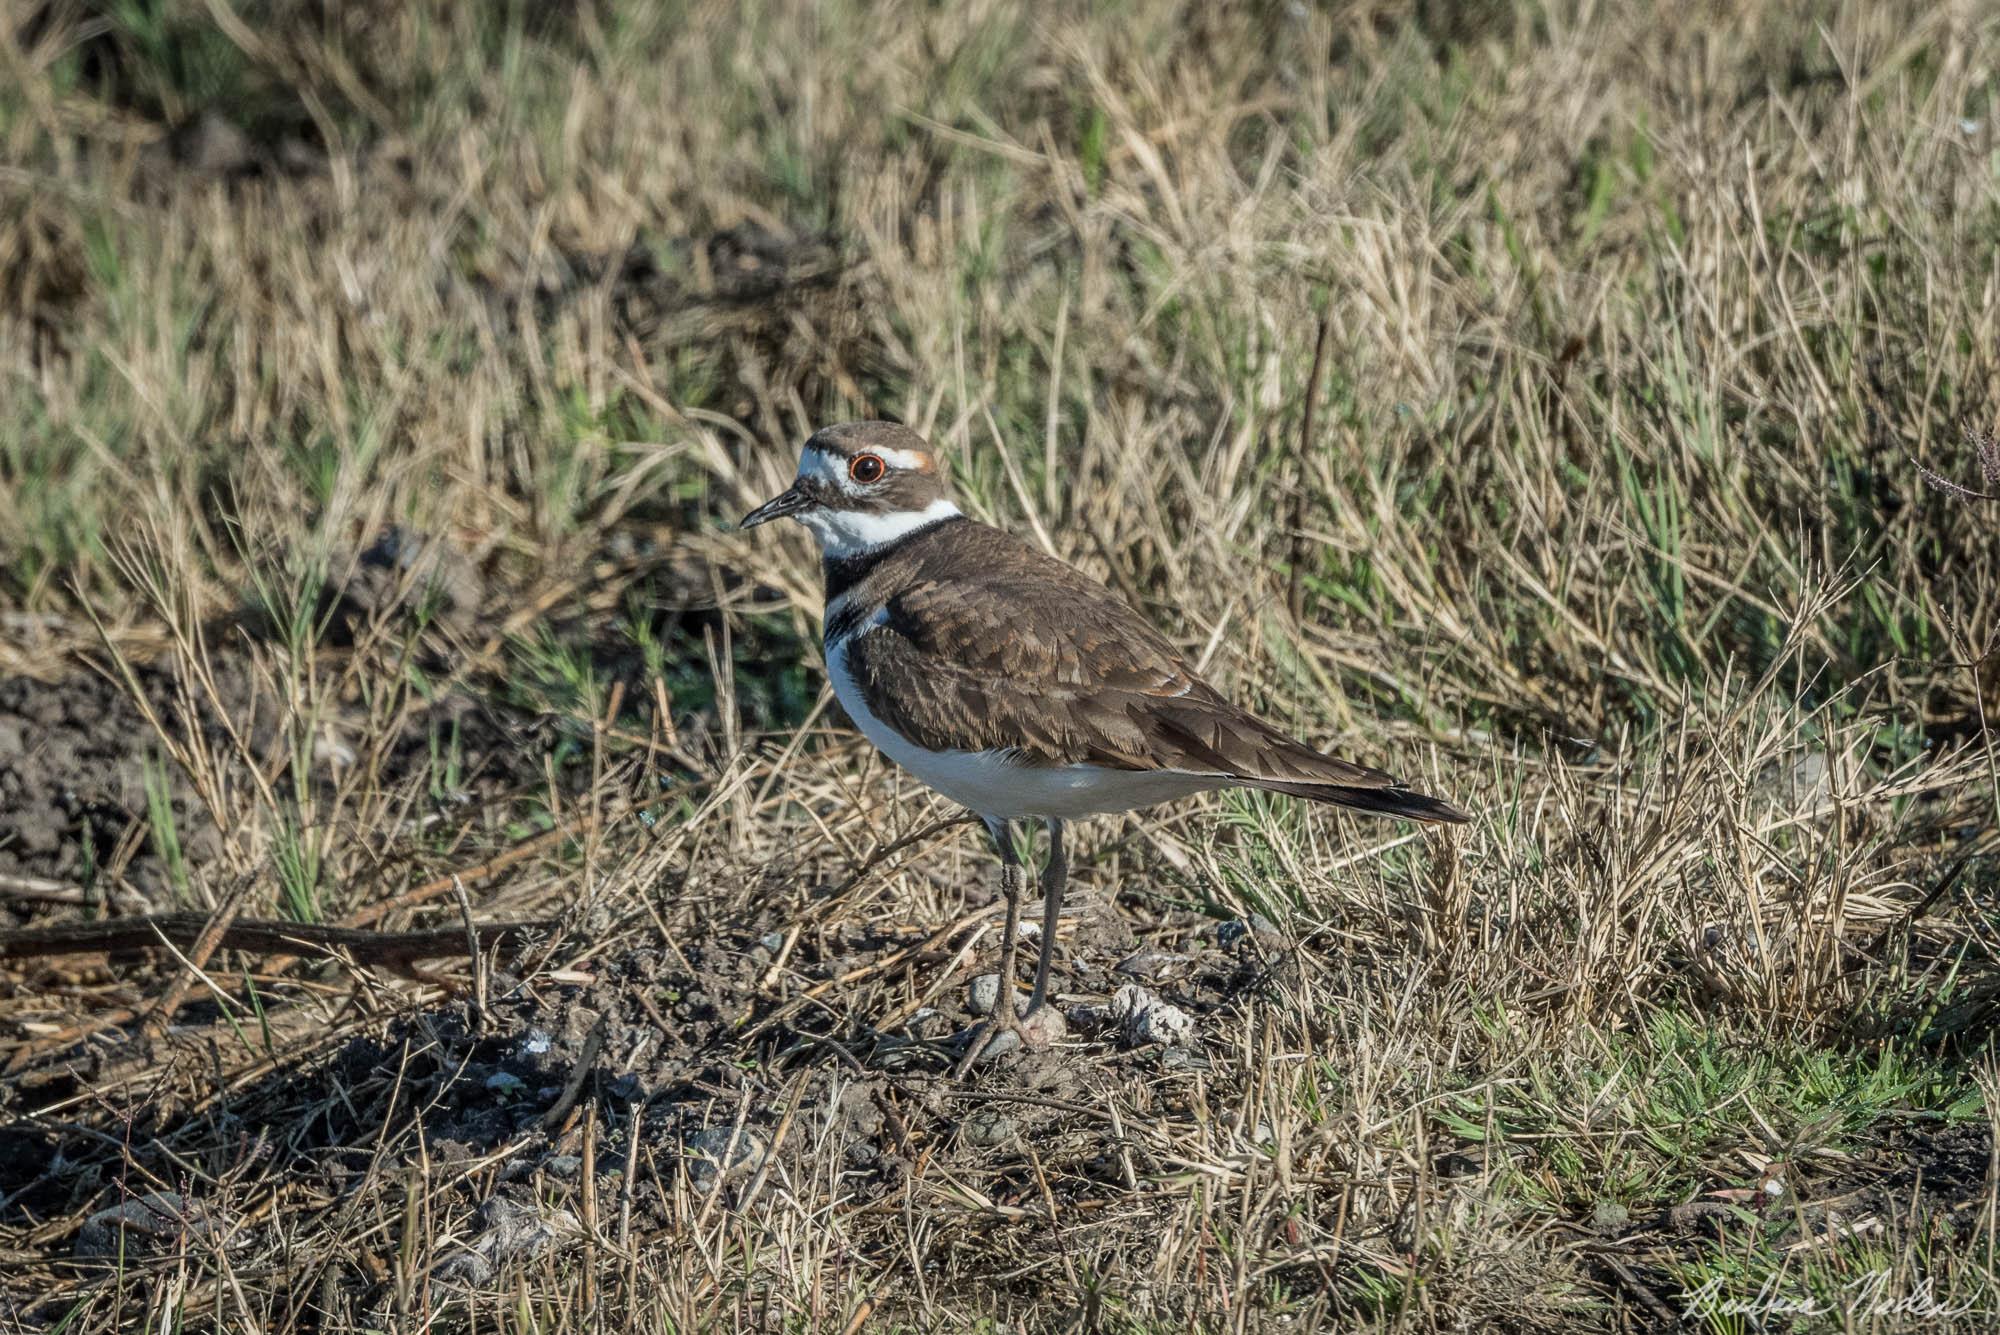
x: 844, y: 572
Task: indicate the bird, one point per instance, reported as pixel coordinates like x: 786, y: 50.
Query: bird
x: 1018, y: 686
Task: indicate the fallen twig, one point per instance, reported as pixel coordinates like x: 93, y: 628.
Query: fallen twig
x: 586, y: 1062
x: 258, y: 935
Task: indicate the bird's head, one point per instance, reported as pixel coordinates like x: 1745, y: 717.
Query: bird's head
x: 860, y: 486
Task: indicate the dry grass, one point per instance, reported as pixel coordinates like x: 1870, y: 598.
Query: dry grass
x: 1609, y: 526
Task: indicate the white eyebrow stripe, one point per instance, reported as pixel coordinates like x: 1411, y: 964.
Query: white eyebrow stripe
x: 831, y: 467
x: 900, y: 458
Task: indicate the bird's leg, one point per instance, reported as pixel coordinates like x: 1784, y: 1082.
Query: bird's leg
x: 1010, y: 889
x: 1054, y: 877
x: 1003, y: 1017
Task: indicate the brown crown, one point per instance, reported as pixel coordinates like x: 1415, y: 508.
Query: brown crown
x: 916, y: 475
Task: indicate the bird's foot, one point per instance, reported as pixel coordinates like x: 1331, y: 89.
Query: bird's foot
x: 985, y: 1041
x: 998, y: 1034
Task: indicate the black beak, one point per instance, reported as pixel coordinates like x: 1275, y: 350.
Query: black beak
x: 787, y: 502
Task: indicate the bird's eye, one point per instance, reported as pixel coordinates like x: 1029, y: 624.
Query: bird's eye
x: 867, y: 468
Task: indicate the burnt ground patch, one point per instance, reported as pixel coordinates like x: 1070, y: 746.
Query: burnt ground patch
x: 75, y: 766
x: 97, y: 811
x: 667, y: 1075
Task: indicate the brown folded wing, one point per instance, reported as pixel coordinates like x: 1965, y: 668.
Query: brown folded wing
x: 1002, y: 648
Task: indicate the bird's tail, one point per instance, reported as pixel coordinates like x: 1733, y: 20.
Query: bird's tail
x: 1206, y: 734
x: 1386, y: 801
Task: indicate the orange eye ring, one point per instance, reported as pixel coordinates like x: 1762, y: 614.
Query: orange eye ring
x: 867, y: 468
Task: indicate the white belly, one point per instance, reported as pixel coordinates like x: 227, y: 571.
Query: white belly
x: 996, y: 786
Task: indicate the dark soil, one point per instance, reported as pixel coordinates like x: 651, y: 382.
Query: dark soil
x: 682, y: 1059
x: 93, y: 806
x: 74, y: 760
x: 94, y: 811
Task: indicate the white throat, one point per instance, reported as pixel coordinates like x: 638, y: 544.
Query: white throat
x: 845, y: 533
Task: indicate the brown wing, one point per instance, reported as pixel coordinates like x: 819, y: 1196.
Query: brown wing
x: 1026, y: 653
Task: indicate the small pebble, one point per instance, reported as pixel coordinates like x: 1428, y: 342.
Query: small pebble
x: 1128, y: 999
x: 929, y: 1022
x: 506, y: 1084
x: 986, y: 1127
x: 705, y: 1151
x: 1169, y: 1026
x: 899, y: 1054
x: 1150, y: 964
x: 983, y: 994
x: 505, y: 1230
x: 160, y: 1221
x: 1044, y: 1027
x: 1228, y: 934
x: 332, y: 752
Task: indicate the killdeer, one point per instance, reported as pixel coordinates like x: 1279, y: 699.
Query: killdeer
x: 1018, y: 686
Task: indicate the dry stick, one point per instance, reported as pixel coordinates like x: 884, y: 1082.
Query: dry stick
x: 205, y: 944
x: 1295, y: 594
x: 258, y: 935
x: 873, y: 860
x: 586, y: 1062
x: 392, y: 949
x: 726, y: 1159
x: 793, y: 1102
x: 861, y: 1315
x: 43, y: 890
x: 628, y: 1184
x: 590, y: 1210
x: 478, y: 956
x: 1638, y: 1289
x: 896, y: 846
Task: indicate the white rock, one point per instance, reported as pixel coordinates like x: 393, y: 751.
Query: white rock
x: 1144, y: 1018
x: 1129, y: 999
